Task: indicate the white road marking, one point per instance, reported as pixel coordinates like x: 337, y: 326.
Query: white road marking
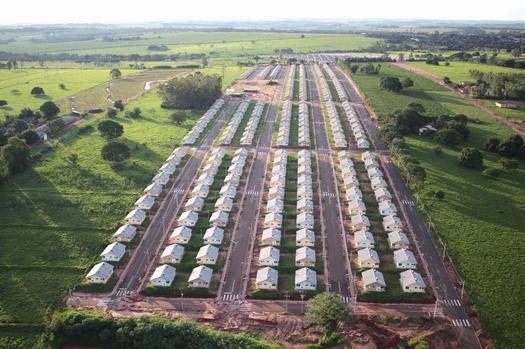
x: 408, y: 202
x: 328, y: 194
x: 178, y: 191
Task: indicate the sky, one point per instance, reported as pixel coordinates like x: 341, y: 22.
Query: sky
x: 124, y: 11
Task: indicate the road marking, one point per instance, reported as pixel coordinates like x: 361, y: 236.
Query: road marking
x: 252, y: 192
x: 230, y: 297
x: 122, y: 292
x: 178, y: 191
x: 346, y: 300
x: 328, y: 194
x: 408, y: 202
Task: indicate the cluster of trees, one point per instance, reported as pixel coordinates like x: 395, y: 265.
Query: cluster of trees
x: 491, y: 59
x: 452, y: 129
x: 498, y: 85
x: 14, y: 157
x: 191, y: 91
x: 114, y: 151
x: 11, y: 64
x: 81, y: 327
x: 513, y: 146
x: 394, y: 84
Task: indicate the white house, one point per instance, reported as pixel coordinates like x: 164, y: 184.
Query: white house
x: 305, y: 220
x: 180, y: 151
x: 276, y: 193
x: 274, y: 205
x: 305, y: 192
x: 113, y: 252
x: 374, y: 172
x: 188, y: 218
x: 367, y: 258
x: 213, y: 236
x: 377, y: 183
x: 271, y: 237
x: 200, y: 190
x: 397, y: 239
x: 305, y: 257
x: 172, y: 254
x: 370, y: 162
x: 305, y: 205
x: 363, y: 239
x: 273, y: 220
x: 305, y: 237
x: 373, y: 280
x: 168, y: 168
x: 236, y: 168
x: 241, y: 151
x: 163, y: 276
x: 145, y: 202
x: 356, y: 206
x: 351, y: 182
x: 233, y: 179
x: 224, y: 204
x: 206, y: 179
x: 269, y: 256
x: 305, y: 279
x: 228, y: 190
x: 367, y: 155
x: 200, y: 277
x: 382, y: 194
x: 154, y: 189
x: 278, y: 181
x: 211, y: 169
x: 161, y: 178
x: 194, y: 204
x: 136, y: 217
x: 208, y: 254
x: 391, y: 223
x: 100, y: 273
x: 387, y: 208
x: 304, y: 170
x: 404, y: 259
x: 125, y: 233
x: 267, y: 279
x: 360, y: 222
x: 219, y: 219
x: 180, y: 235
x: 412, y: 282
x: 353, y: 193
x: 173, y: 159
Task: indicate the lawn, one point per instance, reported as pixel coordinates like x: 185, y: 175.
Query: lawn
x: 481, y: 219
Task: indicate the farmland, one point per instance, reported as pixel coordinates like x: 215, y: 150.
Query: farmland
x: 481, y: 219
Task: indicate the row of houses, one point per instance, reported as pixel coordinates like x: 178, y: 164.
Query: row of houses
x: 248, y: 73
x: 304, y: 125
x: 233, y: 124
x: 275, y: 72
x: 283, y: 135
x: 265, y: 72
x: 289, y: 84
x: 303, y: 95
x: 325, y: 89
x: 355, y: 125
x: 253, y: 122
x: 337, y: 84
x: 201, y: 124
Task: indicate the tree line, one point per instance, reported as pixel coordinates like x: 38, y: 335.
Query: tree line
x: 193, y: 91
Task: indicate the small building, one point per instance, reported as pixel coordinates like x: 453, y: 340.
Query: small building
x: 224, y: 204
x: 404, y: 259
x: 392, y: 223
x: 387, y: 208
x: 180, y: 151
x: 274, y: 205
x: 273, y: 220
x: 269, y: 256
x: 211, y: 169
x: 304, y: 170
x: 276, y: 193
x: 382, y: 194
x: 305, y: 192
x: 367, y: 258
x: 233, y: 179
x: 370, y: 163
x: 267, y: 279
x: 200, y: 277
x: 360, y: 222
x: 161, y: 178
x: 100, y: 273
x: 367, y: 155
x: 219, y: 219
x: 188, y: 218
x: 173, y: 159
x: 350, y: 182
x: 353, y: 193
x: 206, y: 179
x: 305, y: 279
x: 356, y: 206
x: 180, y: 235
x: 136, y: 217
x: 168, y: 168
x: 397, y: 239
x: 125, y: 233
x: 373, y: 280
x: 305, y: 220
x: 374, y: 172
x: 278, y: 181
x: 200, y: 190
x: 236, y: 168
x: 213, y: 236
x: 228, y: 190
x: 208, y: 254
x: 194, y: 204
x: 113, y: 252
x: 305, y: 257
x: 154, y: 189
x: 377, y: 183
x: 364, y: 239
x: 271, y: 237
x: 163, y: 276
x: 145, y: 202
x: 241, y: 152
x: 172, y: 254
x: 305, y: 237
x: 305, y: 205
x: 412, y: 282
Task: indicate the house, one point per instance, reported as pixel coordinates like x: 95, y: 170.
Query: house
x: 267, y: 279
x: 172, y: 254
x: 206, y: 179
x: 208, y: 254
x: 412, y: 282
x: 364, y: 239
x: 367, y: 155
x: 374, y: 172
x: 370, y: 163
x: 219, y: 219
x: 228, y: 191
x: 215, y: 159
x: 275, y: 205
x: 180, y: 151
x: 213, y: 236
x: 271, y: 237
x: 168, y: 168
x: 305, y: 279
x: 200, y: 190
x: 387, y: 208
x: 373, y: 280
x: 353, y: 193
x: 348, y: 172
x: 367, y: 258
x: 350, y: 182
x: 173, y: 159
x: 241, y: 152
x: 273, y: 220
x: 305, y: 237
x: 125, y: 233
x: 269, y: 256
x: 404, y: 259
x: 236, y: 168
x: 305, y: 192
x: 113, y: 252
x: 391, y: 223
x: 304, y: 180
x: 233, y: 179
x: 224, y: 204
x: 398, y: 239
x: 163, y: 276
x: 279, y: 170
x: 100, y: 273
x: 362, y: 143
x: 304, y: 170
x: 180, y: 235
x: 145, y: 202
x: 188, y: 218
x: 211, y: 169
x: 278, y: 180
x: 194, y: 204
x: 305, y: 205
x: 154, y: 189
x: 382, y: 194
x: 356, y: 206
x: 276, y: 193
x: 200, y: 277
x: 378, y: 183
x: 305, y: 257
x: 161, y: 178
x: 305, y: 220
x: 240, y: 160
x: 360, y: 222
x: 136, y: 217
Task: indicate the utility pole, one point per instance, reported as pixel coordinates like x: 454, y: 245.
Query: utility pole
x: 435, y: 308
x: 302, y: 302
x: 444, y: 250
x: 182, y: 299
x: 286, y: 301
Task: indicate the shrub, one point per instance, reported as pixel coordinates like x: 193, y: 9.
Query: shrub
x: 111, y: 113
x: 509, y: 164
x: 447, y: 137
x: 118, y: 105
x: 55, y: 126
x: 85, y: 129
x: 115, y: 152
x: 110, y: 129
x: 37, y: 91
x: 471, y: 157
x: 492, y: 145
x: 440, y: 194
x: 133, y: 114
x: 49, y: 109
x: 3, y: 103
x: 491, y: 172
x: 30, y: 136
x: 407, y: 82
x: 437, y: 150
x: 390, y: 83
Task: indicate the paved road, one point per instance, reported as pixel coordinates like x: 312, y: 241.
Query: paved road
x: 444, y: 287
x: 154, y: 237
x: 237, y: 271
x: 336, y: 257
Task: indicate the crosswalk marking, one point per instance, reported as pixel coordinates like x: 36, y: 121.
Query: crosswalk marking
x: 452, y: 302
x: 252, y: 192
x: 230, y: 297
x: 408, y: 202
x: 346, y: 300
x: 328, y: 194
x: 461, y: 322
x: 178, y: 191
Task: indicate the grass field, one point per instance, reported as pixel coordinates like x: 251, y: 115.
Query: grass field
x: 481, y: 219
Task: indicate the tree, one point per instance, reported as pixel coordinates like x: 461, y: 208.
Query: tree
x: 3, y: 103
x: 55, y: 126
x: 407, y: 82
x: 26, y: 113
x: 516, y: 52
x: 471, y: 157
x: 111, y: 113
x: 118, y: 105
x: 440, y: 194
x: 511, y: 146
x: 49, y: 109
x: 115, y: 152
x: 115, y: 73
x: 72, y: 159
x: 447, y: 137
x: 178, y: 117
x: 110, y: 129
x: 19, y: 125
x: 204, y: 61
x: 191, y: 91
x: 327, y: 310
x: 492, y: 145
x: 14, y: 156
x: 354, y: 68
x: 37, y: 91
x: 134, y: 114
x: 447, y: 80
x: 390, y: 83
x: 62, y: 86
x: 30, y: 136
